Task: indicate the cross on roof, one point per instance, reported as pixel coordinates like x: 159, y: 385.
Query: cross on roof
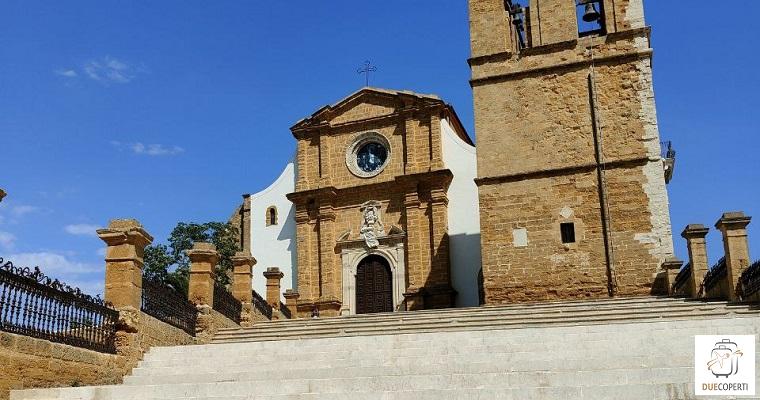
x: 366, y: 69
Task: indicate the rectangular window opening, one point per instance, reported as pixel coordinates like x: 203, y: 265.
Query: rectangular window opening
x: 590, y: 14
x: 567, y: 230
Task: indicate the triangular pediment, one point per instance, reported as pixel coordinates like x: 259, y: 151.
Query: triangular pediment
x: 367, y: 103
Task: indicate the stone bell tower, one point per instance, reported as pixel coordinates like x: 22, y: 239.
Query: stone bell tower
x: 572, y: 191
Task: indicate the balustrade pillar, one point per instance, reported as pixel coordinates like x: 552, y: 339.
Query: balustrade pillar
x: 242, y: 268
x: 695, y: 240
x: 126, y: 240
x: 672, y: 266
x: 291, y: 301
x: 203, y: 260
x: 273, y: 276
x: 733, y: 226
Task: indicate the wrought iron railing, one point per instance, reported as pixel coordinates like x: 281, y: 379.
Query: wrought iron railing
x: 285, y: 311
x: 681, y: 279
x: 260, y: 304
x: 226, y: 303
x: 168, y: 305
x: 750, y: 279
x: 715, y: 274
x: 667, y: 149
x: 32, y: 304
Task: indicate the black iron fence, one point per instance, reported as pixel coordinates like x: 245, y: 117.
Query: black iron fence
x: 260, y: 304
x: 168, y: 305
x: 34, y: 305
x: 285, y: 311
x: 667, y: 150
x: 226, y: 303
x: 750, y: 279
x: 715, y: 274
x: 681, y: 279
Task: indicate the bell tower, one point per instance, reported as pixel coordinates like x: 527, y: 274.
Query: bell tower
x: 571, y: 185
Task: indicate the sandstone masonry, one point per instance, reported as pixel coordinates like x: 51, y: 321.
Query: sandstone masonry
x: 567, y: 139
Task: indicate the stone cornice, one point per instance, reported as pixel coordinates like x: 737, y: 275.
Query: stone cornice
x: 550, y: 172
x: 548, y: 69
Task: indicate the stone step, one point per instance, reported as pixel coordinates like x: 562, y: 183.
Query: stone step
x: 509, y: 378
x: 651, y: 308
x: 602, y: 349
x: 247, y: 335
x: 626, y: 304
x: 682, y: 391
x: 358, y: 386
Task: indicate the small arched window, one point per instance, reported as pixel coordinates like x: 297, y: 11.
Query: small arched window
x: 271, y: 216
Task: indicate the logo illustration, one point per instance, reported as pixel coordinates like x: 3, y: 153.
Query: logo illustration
x: 724, y: 365
x: 724, y: 359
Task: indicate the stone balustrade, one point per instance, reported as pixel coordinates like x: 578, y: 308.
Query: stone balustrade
x: 727, y: 279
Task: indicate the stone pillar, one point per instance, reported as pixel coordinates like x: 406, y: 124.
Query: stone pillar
x: 273, y: 276
x: 245, y: 222
x: 203, y: 260
x: 695, y: 239
x: 291, y: 301
x: 671, y: 266
x: 418, y: 250
x: 126, y: 240
x: 242, y: 268
x: 330, y: 262
x: 733, y: 226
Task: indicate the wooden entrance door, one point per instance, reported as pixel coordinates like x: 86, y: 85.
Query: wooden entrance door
x: 374, y: 286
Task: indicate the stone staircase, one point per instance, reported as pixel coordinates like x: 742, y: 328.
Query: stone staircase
x: 639, y: 348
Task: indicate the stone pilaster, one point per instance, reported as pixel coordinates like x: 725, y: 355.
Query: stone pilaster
x: 203, y: 260
x: 245, y: 229
x: 273, y: 276
x: 418, y: 248
x: 126, y: 240
x: 671, y: 266
x: 242, y: 269
x: 330, y: 276
x: 695, y: 239
x: 733, y: 227
x: 439, y: 281
x: 291, y: 301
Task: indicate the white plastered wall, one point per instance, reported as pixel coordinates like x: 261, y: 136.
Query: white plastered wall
x: 274, y: 245
x: 464, y: 216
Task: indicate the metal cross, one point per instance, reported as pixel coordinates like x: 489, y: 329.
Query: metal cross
x: 366, y: 69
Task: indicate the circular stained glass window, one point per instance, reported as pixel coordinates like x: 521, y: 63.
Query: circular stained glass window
x: 371, y: 157
x: 368, y: 154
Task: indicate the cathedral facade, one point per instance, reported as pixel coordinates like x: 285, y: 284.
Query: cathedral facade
x: 387, y: 206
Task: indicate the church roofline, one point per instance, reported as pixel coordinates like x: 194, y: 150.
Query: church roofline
x: 314, y: 120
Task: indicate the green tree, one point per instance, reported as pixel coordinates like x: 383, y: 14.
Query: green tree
x: 170, y: 265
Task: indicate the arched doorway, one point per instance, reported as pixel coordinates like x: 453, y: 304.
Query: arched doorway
x: 374, y: 286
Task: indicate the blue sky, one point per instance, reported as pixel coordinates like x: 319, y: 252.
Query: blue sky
x: 169, y: 111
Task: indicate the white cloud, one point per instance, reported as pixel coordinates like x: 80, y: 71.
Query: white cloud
x: 156, y: 149
x: 101, y: 252
x: 68, y: 73
x: 149, y: 149
x: 82, y: 229
x: 20, y: 211
x: 110, y: 70
x: 53, y: 265
x: 7, y: 240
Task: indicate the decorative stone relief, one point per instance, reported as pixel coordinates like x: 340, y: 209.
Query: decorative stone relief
x: 372, y: 226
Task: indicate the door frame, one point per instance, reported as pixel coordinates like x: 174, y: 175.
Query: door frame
x: 351, y: 257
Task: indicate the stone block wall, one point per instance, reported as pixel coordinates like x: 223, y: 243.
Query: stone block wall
x: 27, y: 363
x: 35, y: 363
x: 541, y: 118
